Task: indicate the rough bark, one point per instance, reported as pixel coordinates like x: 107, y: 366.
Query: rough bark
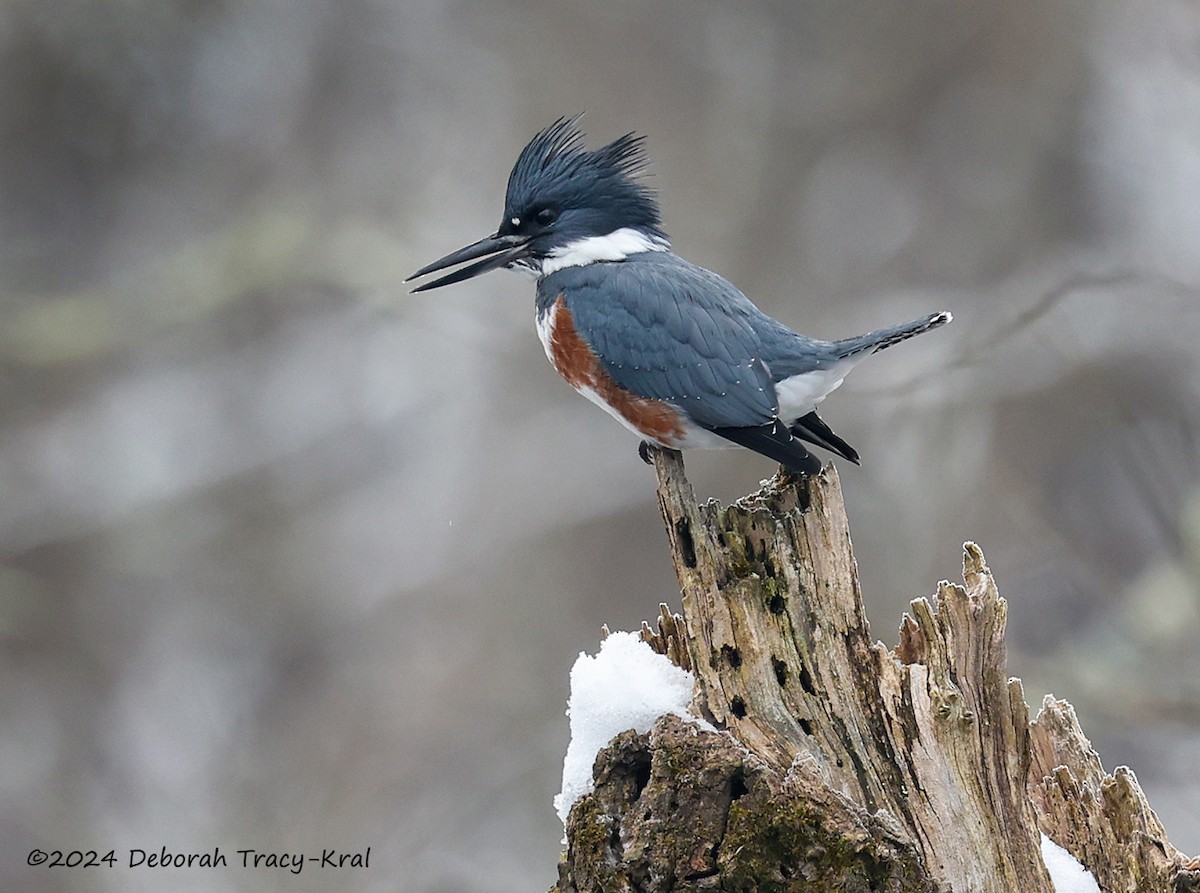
x: 1103, y: 820
x: 837, y: 764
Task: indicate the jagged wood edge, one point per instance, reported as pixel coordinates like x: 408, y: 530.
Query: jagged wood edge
x: 1137, y: 858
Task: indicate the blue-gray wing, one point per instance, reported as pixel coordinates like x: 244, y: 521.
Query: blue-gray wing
x: 667, y: 329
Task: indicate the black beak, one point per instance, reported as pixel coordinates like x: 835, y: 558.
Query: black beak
x: 496, y: 251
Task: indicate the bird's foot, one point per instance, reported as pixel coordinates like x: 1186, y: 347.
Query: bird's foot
x: 789, y: 475
x: 644, y: 448
x: 803, y: 473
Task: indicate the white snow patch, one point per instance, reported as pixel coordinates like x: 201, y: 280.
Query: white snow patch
x: 1067, y: 874
x: 627, y: 685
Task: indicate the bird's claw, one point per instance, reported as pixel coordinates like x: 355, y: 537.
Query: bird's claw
x: 644, y: 448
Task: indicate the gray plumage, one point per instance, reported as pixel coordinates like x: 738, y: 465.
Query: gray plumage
x: 665, y: 328
x: 675, y: 352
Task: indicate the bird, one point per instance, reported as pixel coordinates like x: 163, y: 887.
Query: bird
x: 673, y: 351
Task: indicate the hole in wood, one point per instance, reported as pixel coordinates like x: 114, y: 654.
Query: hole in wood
x: 806, y: 682
x: 738, y: 707
x: 807, y: 726
x: 641, y: 775
x: 687, y: 546
x: 777, y: 604
x: 731, y: 655
x: 781, y: 671
x: 803, y: 496
x: 737, y: 786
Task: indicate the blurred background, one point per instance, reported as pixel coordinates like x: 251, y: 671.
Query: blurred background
x: 291, y: 559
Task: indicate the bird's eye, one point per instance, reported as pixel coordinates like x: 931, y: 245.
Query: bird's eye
x: 546, y: 216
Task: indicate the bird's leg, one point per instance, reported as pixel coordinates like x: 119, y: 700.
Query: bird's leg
x: 644, y: 448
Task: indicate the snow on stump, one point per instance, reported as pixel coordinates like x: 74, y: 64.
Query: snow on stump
x: 812, y: 757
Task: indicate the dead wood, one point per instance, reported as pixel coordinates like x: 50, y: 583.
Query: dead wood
x: 837, y: 764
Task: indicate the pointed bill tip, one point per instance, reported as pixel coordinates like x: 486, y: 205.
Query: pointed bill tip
x: 496, y: 251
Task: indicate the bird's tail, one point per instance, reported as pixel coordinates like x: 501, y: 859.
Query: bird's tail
x: 881, y: 338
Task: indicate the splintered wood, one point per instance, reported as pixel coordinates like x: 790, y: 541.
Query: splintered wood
x: 836, y: 763
x: 1103, y: 820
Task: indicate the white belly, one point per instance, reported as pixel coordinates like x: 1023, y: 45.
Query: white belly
x: 545, y: 329
x: 801, y: 394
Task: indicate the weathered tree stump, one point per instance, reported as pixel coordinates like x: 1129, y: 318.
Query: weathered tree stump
x: 837, y: 764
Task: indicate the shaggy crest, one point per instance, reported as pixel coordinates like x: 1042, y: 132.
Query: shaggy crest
x: 556, y: 170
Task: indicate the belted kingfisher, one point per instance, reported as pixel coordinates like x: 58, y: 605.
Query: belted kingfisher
x: 674, y: 352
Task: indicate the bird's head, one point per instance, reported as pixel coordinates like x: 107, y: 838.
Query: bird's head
x: 565, y: 206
